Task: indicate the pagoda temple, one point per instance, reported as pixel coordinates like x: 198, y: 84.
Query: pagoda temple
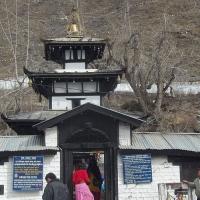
x: 77, y: 127
x: 76, y: 82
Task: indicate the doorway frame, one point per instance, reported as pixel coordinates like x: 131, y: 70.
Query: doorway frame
x: 110, y: 166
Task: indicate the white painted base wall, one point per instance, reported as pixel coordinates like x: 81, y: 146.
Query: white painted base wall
x: 51, y: 164
x: 162, y: 172
x: 124, y: 134
x: 51, y: 137
x: 61, y: 102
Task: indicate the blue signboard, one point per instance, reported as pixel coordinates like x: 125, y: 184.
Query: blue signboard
x: 27, y: 173
x: 137, y: 168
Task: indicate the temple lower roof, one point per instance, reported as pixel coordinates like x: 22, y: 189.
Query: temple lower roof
x: 37, y: 115
x: 22, y: 123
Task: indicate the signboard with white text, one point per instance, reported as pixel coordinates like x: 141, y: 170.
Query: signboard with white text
x: 137, y: 168
x: 27, y: 173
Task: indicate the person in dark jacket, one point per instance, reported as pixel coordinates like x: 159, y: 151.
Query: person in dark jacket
x: 55, y: 190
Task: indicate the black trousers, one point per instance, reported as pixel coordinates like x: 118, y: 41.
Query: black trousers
x: 198, y: 198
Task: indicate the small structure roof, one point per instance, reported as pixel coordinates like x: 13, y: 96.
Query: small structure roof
x: 169, y: 142
x: 88, y: 106
x: 34, y: 143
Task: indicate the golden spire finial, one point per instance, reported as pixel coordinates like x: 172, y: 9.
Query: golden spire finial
x: 74, y: 26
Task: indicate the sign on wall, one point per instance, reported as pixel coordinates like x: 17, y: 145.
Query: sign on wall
x: 27, y: 173
x: 137, y: 168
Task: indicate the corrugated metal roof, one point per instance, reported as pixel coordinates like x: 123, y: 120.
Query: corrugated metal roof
x: 23, y: 143
x: 165, y: 141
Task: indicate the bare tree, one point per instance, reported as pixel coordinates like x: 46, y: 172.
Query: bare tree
x: 11, y: 31
x: 143, y: 71
x: 10, y: 28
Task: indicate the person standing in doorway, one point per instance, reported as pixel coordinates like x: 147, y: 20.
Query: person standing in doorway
x: 81, y: 180
x: 95, y: 179
x: 55, y: 190
x: 195, y: 184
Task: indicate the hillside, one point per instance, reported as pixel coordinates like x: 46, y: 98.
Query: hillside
x: 23, y: 25
x: 106, y: 18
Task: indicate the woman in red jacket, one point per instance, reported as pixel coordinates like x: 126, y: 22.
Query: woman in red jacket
x: 81, y: 180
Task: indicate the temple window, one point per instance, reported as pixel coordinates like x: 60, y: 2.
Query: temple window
x: 69, y: 54
x: 60, y: 87
x: 89, y: 87
x: 81, y: 54
x: 74, y: 87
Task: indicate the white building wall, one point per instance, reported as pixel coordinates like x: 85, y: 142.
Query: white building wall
x: 75, y: 67
x: 162, y: 172
x: 51, y: 164
x: 124, y: 134
x: 61, y: 103
x: 51, y: 137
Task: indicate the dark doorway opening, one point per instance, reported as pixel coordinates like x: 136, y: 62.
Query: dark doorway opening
x: 107, y: 167
x: 188, y: 166
x: 93, y: 161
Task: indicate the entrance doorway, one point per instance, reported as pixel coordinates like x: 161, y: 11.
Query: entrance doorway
x: 93, y: 162
x: 106, y: 160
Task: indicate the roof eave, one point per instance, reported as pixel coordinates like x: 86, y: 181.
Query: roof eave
x: 8, y: 120
x: 88, y: 106
x: 177, y: 152
x: 70, y: 41
x: 70, y: 74
x: 28, y: 152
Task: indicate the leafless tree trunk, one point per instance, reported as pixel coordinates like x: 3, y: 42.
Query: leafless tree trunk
x: 10, y: 28
x: 139, y: 77
x: 13, y: 41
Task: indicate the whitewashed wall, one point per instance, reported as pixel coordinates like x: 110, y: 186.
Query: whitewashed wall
x: 61, y: 103
x: 51, y: 137
x: 78, y: 66
x: 162, y: 172
x: 124, y: 134
x: 51, y: 164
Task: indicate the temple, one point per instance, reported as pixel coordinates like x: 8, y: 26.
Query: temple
x: 76, y: 126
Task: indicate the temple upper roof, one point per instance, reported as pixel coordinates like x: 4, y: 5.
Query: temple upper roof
x: 74, y: 40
